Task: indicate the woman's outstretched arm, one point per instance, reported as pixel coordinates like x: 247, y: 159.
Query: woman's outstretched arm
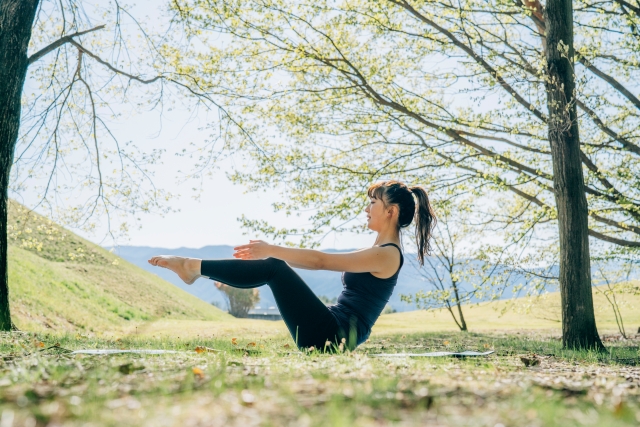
x: 378, y: 260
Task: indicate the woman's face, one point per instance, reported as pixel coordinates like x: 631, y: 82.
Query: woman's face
x: 376, y: 214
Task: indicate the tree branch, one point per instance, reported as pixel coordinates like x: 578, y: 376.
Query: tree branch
x: 629, y: 6
x: 628, y: 145
x: 112, y: 68
x: 56, y: 44
x: 613, y: 82
x: 484, y: 64
x: 619, y: 242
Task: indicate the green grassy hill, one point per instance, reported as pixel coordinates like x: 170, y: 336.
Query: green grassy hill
x: 541, y: 313
x: 61, y: 282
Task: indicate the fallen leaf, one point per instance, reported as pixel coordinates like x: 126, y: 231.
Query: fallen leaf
x: 234, y: 341
x: 199, y: 373
x: 202, y: 349
x: 251, y: 344
x: 446, y: 343
x: 40, y: 344
x: 286, y: 346
x: 618, y: 408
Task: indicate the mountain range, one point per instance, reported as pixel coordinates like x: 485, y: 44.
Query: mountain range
x: 324, y: 283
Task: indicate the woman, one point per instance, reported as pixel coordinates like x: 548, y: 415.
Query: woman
x: 369, y: 274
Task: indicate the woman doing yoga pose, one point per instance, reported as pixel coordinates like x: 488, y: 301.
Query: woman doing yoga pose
x: 368, y: 279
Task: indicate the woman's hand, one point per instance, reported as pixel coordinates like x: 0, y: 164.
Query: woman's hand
x: 256, y: 249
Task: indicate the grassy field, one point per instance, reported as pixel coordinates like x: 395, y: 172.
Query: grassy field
x: 68, y: 294
x: 266, y: 382
x: 541, y: 313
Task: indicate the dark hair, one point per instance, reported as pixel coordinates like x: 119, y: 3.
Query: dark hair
x: 397, y: 193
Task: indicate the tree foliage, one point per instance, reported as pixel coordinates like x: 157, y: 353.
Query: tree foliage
x: 451, y: 95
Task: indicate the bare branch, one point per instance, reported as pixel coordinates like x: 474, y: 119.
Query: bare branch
x: 619, y: 242
x: 56, y: 44
x: 114, y: 69
x: 613, y: 82
x: 481, y: 61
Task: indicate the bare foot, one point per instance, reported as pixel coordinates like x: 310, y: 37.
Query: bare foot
x: 188, y: 269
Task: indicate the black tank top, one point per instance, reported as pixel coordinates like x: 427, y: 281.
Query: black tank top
x: 362, y: 300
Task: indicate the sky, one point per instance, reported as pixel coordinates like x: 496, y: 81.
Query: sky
x: 211, y: 220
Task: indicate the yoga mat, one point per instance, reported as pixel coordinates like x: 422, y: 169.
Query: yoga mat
x: 110, y: 351
x: 434, y: 354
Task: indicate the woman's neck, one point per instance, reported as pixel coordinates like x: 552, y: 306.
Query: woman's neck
x: 390, y: 236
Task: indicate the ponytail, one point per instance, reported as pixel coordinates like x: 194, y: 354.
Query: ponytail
x: 425, y: 220
x: 397, y: 193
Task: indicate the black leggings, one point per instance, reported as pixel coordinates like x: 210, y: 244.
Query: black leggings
x: 309, y: 321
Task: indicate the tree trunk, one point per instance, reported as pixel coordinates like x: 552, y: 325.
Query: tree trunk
x: 16, y: 20
x: 463, y: 323
x: 578, y: 320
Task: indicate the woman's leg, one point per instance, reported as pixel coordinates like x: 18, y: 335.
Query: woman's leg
x: 309, y: 321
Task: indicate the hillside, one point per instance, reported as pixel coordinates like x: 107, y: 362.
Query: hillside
x: 62, y: 282
x: 527, y: 313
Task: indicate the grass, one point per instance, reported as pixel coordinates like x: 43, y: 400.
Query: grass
x: 59, y: 281
x: 541, y: 313
x: 266, y: 382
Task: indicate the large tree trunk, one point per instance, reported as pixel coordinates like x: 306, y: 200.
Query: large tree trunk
x: 16, y: 20
x: 578, y: 319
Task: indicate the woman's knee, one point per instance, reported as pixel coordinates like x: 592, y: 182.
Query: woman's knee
x: 276, y: 266
x: 275, y: 262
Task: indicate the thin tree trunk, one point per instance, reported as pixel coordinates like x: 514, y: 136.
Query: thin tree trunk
x: 455, y: 319
x: 16, y: 20
x: 463, y: 324
x: 578, y: 320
